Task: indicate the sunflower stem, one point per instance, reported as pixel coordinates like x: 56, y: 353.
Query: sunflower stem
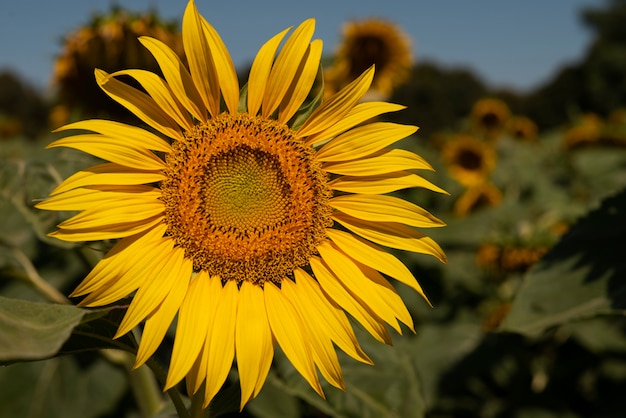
x: 146, y: 391
x: 38, y: 282
x: 197, y: 400
x: 160, y: 375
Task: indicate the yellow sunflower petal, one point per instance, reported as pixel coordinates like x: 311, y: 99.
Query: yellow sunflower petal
x: 130, y: 277
x: 363, y: 141
x: 161, y: 318
x: 161, y: 94
x: 200, y: 58
x: 375, y: 257
x: 133, y: 137
x: 393, y: 235
x: 177, y: 77
x: 226, y: 74
x: 113, y: 149
x: 357, y: 283
x: 337, y: 106
x: 139, y: 103
x: 115, y: 231
x: 116, y: 212
x: 260, y: 71
x: 355, y: 307
x: 119, y: 259
x: 196, y: 312
x: 382, y: 183
x: 108, y: 173
x: 388, y: 294
x: 331, y: 318
x: 288, y: 329
x: 221, y: 337
x: 360, y: 113
x: 92, y: 197
x: 323, y: 351
x: 253, y: 341
x: 381, y: 162
x: 153, y: 292
x: 286, y: 66
x: 378, y: 208
x: 303, y: 82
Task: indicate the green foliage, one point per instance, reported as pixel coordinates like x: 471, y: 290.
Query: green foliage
x: 588, y: 263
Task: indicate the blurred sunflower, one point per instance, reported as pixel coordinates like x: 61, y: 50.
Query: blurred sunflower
x: 522, y: 128
x: 586, y: 132
x: 230, y: 222
x: 489, y: 116
x: 509, y: 258
x: 476, y: 197
x: 371, y: 42
x: 468, y: 159
x: 108, y: 42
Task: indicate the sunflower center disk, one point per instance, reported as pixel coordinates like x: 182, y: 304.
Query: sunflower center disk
x: 245, y: 198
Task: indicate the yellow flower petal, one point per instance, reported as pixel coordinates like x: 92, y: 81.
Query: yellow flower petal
x: 393, y: 235
x: 303, y: 82
x: 226, y: 74
x: 331, y: 319
x: 153, y: 292
x: 357, y: 283
x: 196, y: 311
x: 125, y: 254
x: 177, y: 77
x: 253, y: 341
x: 286, y: 66
x: 363, y: 141
x: 360, y: 113
x: 92, y: 197
x: 355, y: 307
x: 142, y: 105
x: 378, y: 208
x: 375, y: 257
x: 159, y: 321
x: 112, y: 149
x: 161, y: 94
x: 288, y: 329
x: 260, y: 70
x: 382, y: 162
x: 116, y: 212
x: 337, y: 106
x: 133, y: 137
x: 110, y: 232
x: 200, y: 58
x: 322, y: 349
x: 108, y: 173
x: 221, y: 338
x: 382, y: 183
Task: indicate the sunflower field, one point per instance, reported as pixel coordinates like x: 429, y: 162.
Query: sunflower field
x: 512, y: 305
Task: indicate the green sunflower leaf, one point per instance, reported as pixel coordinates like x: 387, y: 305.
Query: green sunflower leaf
x: 581, y: 277
x: 62, y: 387
x: 35, y: 331
x: 32, y: 330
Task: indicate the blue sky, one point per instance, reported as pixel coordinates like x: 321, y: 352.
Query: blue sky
x: 517, y: 44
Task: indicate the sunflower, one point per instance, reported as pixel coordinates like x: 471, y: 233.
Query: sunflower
x: 468, y: 159
x: 522, y: 128
x: 489, y: 116
x: 257, y: 215
x: 371, y: 42
x: 479, y: 196
x: 108, y: 41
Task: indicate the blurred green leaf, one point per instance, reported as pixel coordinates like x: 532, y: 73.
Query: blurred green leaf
x: 32, y: 330
x: 60, y: 387
x: 581, y: 277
